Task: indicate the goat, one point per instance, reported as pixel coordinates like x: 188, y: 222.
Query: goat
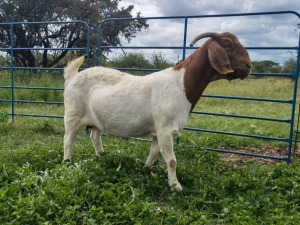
x: 156, y: 105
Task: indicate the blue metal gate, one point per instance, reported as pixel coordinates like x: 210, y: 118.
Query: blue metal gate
x: 12, y: 67
x: 184, y: 48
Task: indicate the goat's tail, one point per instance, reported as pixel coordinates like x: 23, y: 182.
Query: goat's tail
x: 72, y: 68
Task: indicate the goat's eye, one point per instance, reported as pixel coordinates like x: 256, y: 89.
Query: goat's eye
x: 227, y: 45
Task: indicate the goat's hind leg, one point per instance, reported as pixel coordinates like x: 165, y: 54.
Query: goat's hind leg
x: 96, y: 139
x: 71, y: 129
x: 153, y: 152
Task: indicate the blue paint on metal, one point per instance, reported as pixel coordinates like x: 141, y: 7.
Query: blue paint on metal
x: 243, y: 117
x: 247, y: 154
x: 293, y: 111
x: 12, y: 74
x: 249, y: 99
x: 237, y: 134
x: 184, y: 37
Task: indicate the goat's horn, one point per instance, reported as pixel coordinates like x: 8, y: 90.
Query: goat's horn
x: 204, y: 35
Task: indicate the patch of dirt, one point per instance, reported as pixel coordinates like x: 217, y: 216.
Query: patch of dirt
x: 238, y: 159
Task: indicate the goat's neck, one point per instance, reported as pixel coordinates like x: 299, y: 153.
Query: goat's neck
x: 198, y: 74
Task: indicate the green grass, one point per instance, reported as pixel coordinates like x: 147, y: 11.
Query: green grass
x: 116, y: 188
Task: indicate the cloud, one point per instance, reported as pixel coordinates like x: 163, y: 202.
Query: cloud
x: 253, y: 31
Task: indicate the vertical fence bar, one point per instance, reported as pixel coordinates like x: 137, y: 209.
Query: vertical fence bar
x: 12, y: 74
x: 184, y: 38
x: 88, y: 47
x: 183, y: 54
x: 294, y: 105
x: 98, y: 49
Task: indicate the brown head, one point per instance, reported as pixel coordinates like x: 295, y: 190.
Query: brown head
x: 220, y: 57
x: 227, y: 56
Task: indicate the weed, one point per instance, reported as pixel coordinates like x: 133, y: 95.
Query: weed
x: 4, y: 121
x: 45, y: 127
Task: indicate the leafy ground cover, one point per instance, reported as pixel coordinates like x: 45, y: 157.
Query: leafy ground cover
x: 116, y: 188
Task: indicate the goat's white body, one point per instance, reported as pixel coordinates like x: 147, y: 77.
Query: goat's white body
x: 124, y: 105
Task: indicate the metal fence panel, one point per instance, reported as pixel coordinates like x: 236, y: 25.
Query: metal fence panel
x: 184, y: 48
x: 12, y: 49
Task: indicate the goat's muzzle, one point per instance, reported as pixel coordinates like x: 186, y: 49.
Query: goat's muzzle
x: 240, y: 73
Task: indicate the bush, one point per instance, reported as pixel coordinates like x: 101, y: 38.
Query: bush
x: 139, y: 61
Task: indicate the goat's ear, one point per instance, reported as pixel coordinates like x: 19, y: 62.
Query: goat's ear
x: 218, y: 58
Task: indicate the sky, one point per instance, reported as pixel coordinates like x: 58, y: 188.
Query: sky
x: 253, y: 31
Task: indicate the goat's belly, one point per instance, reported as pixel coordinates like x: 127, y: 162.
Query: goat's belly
x: 123, y: 123
x: 121, y: 113
x: 128, y: 128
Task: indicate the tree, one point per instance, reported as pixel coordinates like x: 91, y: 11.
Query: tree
x: 66, y: 35
x: 265, y: 66
x: 289, y: 66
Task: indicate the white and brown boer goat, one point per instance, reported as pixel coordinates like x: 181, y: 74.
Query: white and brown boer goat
x: 156, y: 105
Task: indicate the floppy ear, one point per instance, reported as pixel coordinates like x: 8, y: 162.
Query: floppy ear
x: 218, y: 58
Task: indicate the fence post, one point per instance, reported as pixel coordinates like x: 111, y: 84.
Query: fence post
x: 12, y: 73
x: 184, y: 38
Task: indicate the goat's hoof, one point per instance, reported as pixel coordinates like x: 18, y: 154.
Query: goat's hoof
x: 147, y: 166
x: 66, y: 162
x: 176, y: 186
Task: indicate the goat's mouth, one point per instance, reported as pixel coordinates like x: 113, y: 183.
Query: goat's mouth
x: 239, y: 74
x: 233, y: 76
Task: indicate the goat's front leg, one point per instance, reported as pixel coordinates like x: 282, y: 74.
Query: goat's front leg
x: 153, y: 152
x: 165, y: 142
x: 96, y: 139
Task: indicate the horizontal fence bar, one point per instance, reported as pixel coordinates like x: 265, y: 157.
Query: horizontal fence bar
x: 37, y: 68
x: 29, y: 68
x: 245, y: 153
x: 33, y: 88
x: 138, y: 70
x: 44, y: 49
x: 6, y: 100
x: 181, y: 47
x: 38, y: 102
x: 248, y: 98
x: 290, y: 75
x: 141, y: 47
x: 243, y: 117
x: 237, y: 134
x: 43, y: 22
x: 273, y: 48
x: 206, y: 16
x: 38, y: 115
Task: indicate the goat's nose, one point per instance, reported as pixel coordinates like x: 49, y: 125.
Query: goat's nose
x: 249, y: 66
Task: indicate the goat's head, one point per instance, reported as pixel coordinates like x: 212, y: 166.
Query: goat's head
x: 227, y: 55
